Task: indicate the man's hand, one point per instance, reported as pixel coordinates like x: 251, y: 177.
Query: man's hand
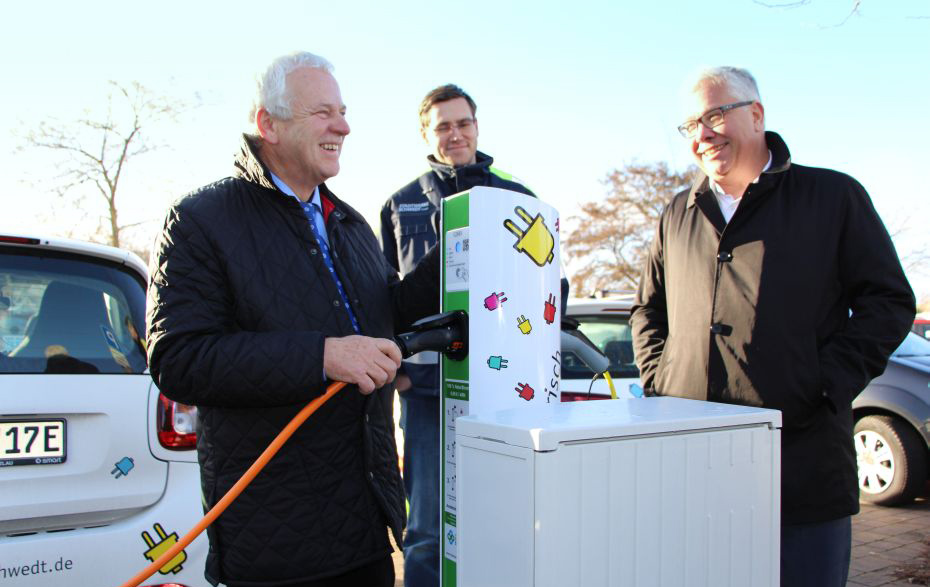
x: 364, y: 361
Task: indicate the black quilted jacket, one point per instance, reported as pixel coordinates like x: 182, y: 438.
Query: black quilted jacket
x: 240, y: 302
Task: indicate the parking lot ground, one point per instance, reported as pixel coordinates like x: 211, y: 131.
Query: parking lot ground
x: 885, y: 541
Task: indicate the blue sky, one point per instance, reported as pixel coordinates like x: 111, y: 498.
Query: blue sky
x: 565, y: 91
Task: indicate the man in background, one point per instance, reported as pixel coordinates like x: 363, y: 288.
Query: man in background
x: 449, y: 127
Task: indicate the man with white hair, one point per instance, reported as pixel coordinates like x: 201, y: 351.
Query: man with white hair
x: 266, y: 287
x: 776, y: 285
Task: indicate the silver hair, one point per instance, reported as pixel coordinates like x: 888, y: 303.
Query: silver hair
x: 272, y: 93
x: 736, y: 79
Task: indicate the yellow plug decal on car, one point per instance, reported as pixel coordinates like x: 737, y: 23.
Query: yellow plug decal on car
x: 156, y: 549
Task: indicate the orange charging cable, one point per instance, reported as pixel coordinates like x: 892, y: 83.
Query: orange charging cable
x: 240, y: 485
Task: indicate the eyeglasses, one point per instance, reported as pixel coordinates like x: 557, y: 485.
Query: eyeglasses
x: 444, y: 128
x: 710, y: 119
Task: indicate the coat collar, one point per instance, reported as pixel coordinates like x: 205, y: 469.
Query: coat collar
x: 781, y: 161
x: 447, y: 172
x: 250, y: 168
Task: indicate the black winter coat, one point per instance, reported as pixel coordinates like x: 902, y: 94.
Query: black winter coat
x: 240, y: 302
x: 408, y: 229
x: 795, y: 305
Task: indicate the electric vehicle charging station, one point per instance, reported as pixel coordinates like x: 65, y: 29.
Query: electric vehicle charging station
x: 638, y: 492
x: 501, y: 265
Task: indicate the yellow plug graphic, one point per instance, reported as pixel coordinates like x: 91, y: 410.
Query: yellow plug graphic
x: 524, y: 325
x: 157, y: 549
x: 536, y: 241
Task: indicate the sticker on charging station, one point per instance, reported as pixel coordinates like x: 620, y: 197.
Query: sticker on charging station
x: 450, y: 535
x: 457, y: 259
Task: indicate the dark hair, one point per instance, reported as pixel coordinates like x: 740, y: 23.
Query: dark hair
x: 443, y: 94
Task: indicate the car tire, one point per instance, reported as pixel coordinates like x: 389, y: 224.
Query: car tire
x: 891, y: 460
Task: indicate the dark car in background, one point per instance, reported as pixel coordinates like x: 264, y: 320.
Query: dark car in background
x: 892, y: 432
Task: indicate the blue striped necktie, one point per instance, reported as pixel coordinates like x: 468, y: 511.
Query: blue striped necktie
x: 318, y: 227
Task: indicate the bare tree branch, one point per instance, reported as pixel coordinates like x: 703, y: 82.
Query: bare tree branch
x: 783, y: 5
x: 98, y: 150
x: 853, y: 11
x: 612, y: 235
x: 915, y: 258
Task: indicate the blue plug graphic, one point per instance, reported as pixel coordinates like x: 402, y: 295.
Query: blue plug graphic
x: 497, y: 362
x: 122, y: 467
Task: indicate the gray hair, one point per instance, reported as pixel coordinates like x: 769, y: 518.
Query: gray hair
x: 736, y: 79
x: 272, y: 93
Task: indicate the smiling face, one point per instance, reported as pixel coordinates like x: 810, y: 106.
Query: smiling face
x: 304, y: 150
x: 452, y: 132
x: 733, y: 153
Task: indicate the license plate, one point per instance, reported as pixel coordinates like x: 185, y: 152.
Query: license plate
x: 32, y: 442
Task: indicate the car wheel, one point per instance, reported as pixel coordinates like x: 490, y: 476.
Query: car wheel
x: 891, y: 459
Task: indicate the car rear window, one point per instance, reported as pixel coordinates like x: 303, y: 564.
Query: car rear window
x: 65, y: 313
x: 613, y: 337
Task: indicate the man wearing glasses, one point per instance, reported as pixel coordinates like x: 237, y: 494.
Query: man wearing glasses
x: 776, y: 285
x: 408, y: 230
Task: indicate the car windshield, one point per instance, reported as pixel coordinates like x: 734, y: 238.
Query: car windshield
x: 913, y: 346
x: 63, y: 313
x: 613, y: 337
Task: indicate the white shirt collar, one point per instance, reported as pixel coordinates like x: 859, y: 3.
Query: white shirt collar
x: 728, y: 203
x: 718, y: 191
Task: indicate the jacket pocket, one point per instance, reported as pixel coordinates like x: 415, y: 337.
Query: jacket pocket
x: 409, y: 230
x: 415, y: 239
x: 659, y: 380
x: 804, y: 394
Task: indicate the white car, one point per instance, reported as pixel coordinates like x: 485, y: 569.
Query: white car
x: 606, y: 323
x: 98, y: 471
